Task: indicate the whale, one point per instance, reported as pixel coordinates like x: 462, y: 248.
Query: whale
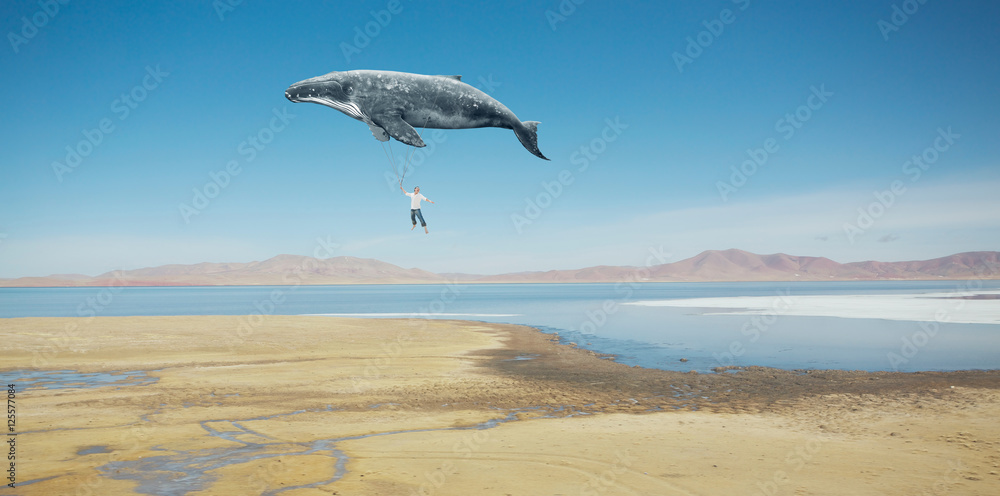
x: 393, y: 104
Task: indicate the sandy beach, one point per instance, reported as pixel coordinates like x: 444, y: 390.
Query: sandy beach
x: 321, y: 405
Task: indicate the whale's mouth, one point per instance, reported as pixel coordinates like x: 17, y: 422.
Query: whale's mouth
x: 349, y: 108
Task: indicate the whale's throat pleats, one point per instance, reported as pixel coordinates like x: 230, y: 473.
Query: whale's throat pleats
x: 349, y: 108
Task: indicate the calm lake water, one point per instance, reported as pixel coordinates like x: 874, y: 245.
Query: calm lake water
x: 591, y: 315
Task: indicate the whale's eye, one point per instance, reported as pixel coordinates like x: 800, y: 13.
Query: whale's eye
x: 348, y: 89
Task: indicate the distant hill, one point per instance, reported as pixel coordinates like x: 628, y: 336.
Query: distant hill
x: 712, y: 265
x: 739, y: 265
x: 279, y: 270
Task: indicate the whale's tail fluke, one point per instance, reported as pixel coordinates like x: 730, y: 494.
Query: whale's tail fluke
x: 527, y: 132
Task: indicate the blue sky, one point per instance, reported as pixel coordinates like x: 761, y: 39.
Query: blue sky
x: 843, y: 96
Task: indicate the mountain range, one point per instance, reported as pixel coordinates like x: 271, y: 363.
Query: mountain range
x: 708, y: 266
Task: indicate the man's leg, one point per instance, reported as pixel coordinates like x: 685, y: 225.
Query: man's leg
x: 413, y: 217
x: 422, y: 223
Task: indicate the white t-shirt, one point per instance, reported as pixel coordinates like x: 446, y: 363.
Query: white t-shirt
x: 415, y: 200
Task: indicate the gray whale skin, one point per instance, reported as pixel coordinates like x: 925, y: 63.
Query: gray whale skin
x: 394, y: 103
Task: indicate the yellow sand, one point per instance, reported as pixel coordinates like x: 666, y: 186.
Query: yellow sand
x: 269, y: 389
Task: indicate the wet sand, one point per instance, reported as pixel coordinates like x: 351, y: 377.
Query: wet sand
x: 318, y: 405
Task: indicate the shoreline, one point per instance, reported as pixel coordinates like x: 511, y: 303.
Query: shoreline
x: 535, y: 338
x: 462, y: 281
x: 556, y: 338
x: 390, y: 406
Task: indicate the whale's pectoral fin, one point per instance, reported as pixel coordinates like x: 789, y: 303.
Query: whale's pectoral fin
x: 399, y: 129
x: 378, y: 132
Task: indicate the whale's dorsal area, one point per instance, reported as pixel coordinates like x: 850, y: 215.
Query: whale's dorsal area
x: 393, y: 104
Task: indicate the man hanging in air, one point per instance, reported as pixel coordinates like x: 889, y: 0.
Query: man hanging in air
x: 415, y: 199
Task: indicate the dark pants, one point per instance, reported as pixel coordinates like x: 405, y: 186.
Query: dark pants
x: 415, y: 214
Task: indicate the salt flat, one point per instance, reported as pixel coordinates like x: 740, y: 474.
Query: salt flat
x: 956, y: 307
